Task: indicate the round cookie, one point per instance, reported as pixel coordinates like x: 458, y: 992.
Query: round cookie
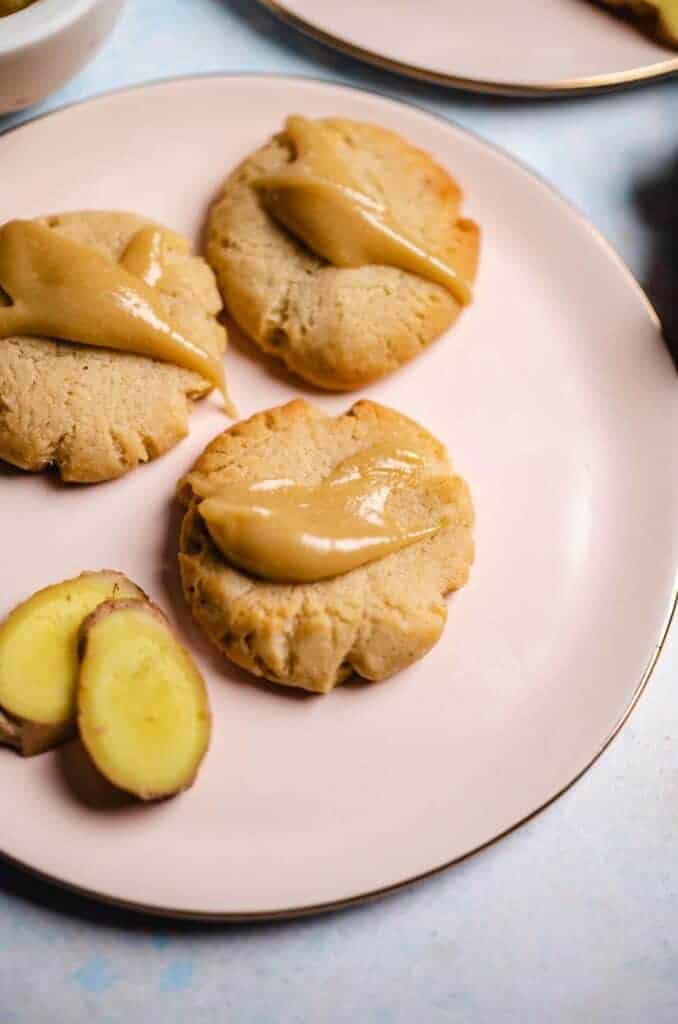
x: 97, y: 413
x: 341, y: 328
x: 373, y: 620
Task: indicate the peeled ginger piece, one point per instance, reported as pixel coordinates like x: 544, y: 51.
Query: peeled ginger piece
x: 143, y: 712
x: 39, y: 658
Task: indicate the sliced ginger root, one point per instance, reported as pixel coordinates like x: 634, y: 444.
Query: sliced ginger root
x: 39, y: 662
x: 143, y: 712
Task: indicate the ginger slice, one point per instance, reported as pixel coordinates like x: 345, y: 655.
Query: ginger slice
x: 143, y: 711
x: 39, y: 662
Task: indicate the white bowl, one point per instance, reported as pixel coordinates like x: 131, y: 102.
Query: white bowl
x: 45, y: 44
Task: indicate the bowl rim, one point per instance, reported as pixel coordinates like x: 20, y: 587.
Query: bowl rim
x: 41, y: 20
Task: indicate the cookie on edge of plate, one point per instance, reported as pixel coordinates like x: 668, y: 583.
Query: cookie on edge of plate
x: 373, y: 620
x: 341, y: 329
x: 660, y: 14
x: 96, y: 413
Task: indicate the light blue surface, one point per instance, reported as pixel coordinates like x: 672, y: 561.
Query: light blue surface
x: 574, y: 918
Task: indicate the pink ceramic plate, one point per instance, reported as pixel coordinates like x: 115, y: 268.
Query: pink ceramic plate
x: 557, y: 400
x: 548, y: 47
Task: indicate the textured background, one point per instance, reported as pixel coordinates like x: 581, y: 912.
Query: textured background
x: 573, y: 918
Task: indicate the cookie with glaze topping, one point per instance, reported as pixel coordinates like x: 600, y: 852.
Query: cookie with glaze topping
x: 340, y: 328
x: 96, y: 413
x: 372, y: 621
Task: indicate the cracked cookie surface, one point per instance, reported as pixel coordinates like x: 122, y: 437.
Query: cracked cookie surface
x: 374, y: 620
x: 97, y: 413
x: 341, y: 328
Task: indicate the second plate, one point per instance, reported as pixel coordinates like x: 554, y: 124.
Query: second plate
x: 546, y: 48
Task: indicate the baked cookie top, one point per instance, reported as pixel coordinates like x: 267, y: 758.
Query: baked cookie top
x: 97, y: 413
x: 341, y: 328
x: 373, y: 620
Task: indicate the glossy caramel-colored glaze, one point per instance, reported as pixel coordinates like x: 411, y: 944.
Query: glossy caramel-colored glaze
x: 317, y: 199
x: 145, y: 255
x: 285, y: 532
x: 62, y: 289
